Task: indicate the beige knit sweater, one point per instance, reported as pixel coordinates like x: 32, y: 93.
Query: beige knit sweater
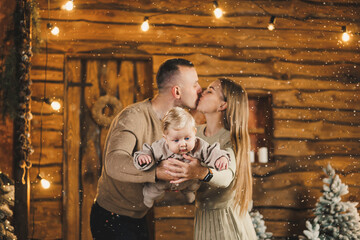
x: 120, y: 185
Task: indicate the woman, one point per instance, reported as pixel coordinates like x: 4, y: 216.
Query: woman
x: 222, y: 203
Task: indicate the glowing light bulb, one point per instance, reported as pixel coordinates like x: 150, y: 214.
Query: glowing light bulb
x: 218, y: 12
x: 55, y: 105
x: 69, y: 5
x: 145, y: 25
x: 45, y: 183
x: 55, y: 31
x: 271, y: 25
x: 345, y: 37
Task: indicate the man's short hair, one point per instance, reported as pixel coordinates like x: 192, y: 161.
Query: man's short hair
x: 169, y: 69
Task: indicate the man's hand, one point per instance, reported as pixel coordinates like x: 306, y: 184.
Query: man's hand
x: 162, y: 171
x: 181, y: 171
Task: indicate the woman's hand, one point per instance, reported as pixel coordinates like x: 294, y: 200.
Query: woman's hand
x: 182, y: 171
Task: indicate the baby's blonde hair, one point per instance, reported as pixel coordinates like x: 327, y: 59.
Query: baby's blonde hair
x: 177, y: 118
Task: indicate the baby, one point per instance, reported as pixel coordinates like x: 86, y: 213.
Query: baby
x: 179, y: 138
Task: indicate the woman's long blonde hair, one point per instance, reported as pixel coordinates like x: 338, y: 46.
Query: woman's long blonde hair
x: 236, y: 121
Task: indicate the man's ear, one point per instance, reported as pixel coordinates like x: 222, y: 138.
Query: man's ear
x: 176, y: 92
x: 223, y: 106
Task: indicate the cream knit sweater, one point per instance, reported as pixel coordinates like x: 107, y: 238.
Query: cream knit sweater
x: 120, y: 185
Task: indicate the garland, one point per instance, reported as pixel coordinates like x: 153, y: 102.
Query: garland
x: 10, y: 99
x: 23, y: 116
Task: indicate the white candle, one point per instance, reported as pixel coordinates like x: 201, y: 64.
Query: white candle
x: 252, y: 156
x: 263, y: 155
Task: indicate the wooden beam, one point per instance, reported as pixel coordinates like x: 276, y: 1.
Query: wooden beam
x: 180, y: 229
x: 48, y: 122
x: 278, y: 69
x: 53, y: 90
x: 49, y: 156
x: 71, y: 213
x: 54, y: 61
x: 55, y: 192
x: 315, y: 130
x: 47, y: 219
x: 237, y: 20
x: 51, y: 138
x: 131, y: 34
x: 52, y: 173
x: 349, y: 117
x: 301, y: 147
x: 349, y: 100
x: 179, y: 211
x: 295, y: 9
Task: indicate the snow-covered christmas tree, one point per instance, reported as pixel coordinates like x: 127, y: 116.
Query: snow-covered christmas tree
x: 259, y: 225
x: 334, y: 219
x: 6, y: 200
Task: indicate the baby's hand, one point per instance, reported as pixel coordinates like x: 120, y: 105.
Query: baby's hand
x: 222, y: 163
x: 144, y: 159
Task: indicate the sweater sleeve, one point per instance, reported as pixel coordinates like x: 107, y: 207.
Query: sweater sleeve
x: 121, y: 143
x: 147, y: 150
x: 211, y: 153
x: 224, y: 178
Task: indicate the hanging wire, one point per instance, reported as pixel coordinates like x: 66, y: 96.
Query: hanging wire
x: 292, y: 17
x: 41, y: 115
x: 145, y: 24
x: 181, y: 10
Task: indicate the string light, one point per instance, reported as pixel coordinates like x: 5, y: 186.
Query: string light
x: 345, y: 36
x: 145, y: 25
x: 271, y: 25
x: 55, y: 105
x: 217, y: 12
x: 53, y: 29
x: 69, y: 5
x: 44, y: 183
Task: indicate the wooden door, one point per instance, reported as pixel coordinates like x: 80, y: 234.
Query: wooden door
x: 90, y: 83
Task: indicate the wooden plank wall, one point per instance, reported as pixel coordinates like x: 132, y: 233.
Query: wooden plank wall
x: 312, y: 76
x: 46, y: 204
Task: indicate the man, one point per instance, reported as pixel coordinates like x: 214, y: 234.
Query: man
x: 118, y: 212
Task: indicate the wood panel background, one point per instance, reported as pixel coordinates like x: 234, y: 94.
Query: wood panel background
x: 86, y: 81
x: 312, y: 76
